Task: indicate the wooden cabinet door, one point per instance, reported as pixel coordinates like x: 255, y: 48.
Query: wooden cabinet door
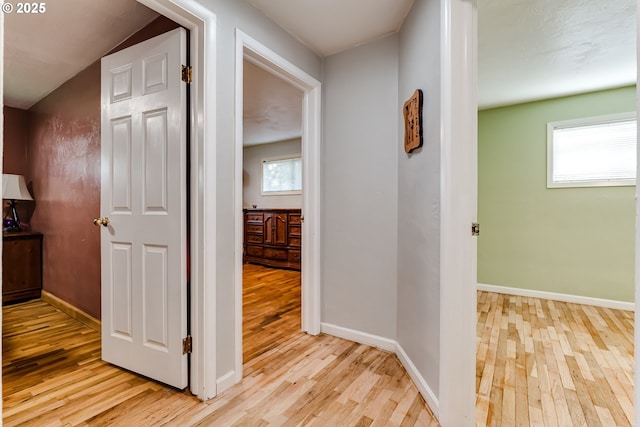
x: 21, y: 266
x: 280, y: 234
x: 275, y: 228
x: 269, y: 228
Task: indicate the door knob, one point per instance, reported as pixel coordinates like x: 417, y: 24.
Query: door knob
x: 101, y: 221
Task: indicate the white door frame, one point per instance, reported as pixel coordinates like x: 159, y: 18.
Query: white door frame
x: 252, y: 50
x: 201, y: 23
x: 459, y: 183
x: 1, y: 151
x: 636, y: 335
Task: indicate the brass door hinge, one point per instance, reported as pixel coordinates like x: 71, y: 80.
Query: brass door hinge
x: 187, y: 74
x: 475, y: 229
x: 186, y: 345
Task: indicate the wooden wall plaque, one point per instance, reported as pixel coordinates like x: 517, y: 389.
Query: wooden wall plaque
x: 413, y: 122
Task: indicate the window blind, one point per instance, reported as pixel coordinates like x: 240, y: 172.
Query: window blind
x: 597, y: 152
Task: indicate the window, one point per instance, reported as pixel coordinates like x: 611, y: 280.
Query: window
x: 596, y: 151
x: 282, y: 176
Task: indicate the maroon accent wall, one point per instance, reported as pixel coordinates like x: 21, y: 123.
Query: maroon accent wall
x: 64, y: 157
x: 64, y: 160
x: 16, y: 136
x: 15, y: 141
x: 158, y: 26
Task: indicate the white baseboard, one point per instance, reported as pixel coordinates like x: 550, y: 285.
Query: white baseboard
x: 419, y: 381
x: 226, y: 381
x: 392, y: 346
x: 577, y: 299
x: 359, y: 337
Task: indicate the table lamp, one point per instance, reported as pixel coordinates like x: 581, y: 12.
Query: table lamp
x: 13, y: 188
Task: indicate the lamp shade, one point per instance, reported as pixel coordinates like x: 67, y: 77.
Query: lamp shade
x: 14, y: 188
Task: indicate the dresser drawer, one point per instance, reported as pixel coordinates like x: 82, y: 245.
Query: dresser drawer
x: 277, y: 254
x: 295, y: 256
x: 295, y: 219
x: 295, y: 231
x: 254, y: 217
x: 253, y: 228
x: 255, y: 251
x: 295, y: 241
x: 254, y: 238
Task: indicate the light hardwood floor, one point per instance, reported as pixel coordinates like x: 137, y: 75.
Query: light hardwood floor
x: 53, y: 376
x: 549, y: 363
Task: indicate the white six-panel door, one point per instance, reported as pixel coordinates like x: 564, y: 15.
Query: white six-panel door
x: 143, y: 245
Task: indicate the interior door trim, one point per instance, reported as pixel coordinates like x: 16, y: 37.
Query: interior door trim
x: 260, y: 55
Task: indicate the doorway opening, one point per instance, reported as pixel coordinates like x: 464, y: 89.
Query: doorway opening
x: 196, y: 18
x: 272, y: 216
x: 285, y: 238
x: 550, y: 275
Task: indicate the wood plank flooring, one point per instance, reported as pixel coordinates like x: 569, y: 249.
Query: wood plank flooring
x: 539, y: 363
x: 53, y: 376
x: 549, y: 363
x: 270, y: 308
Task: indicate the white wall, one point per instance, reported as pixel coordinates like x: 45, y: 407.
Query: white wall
x: 419, y: 196
x: 252, y: 175
x: 232, y: 14
x: 359, y: 215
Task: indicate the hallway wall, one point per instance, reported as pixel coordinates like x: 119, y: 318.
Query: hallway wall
x: 419, y: 195
x: 360, y: 191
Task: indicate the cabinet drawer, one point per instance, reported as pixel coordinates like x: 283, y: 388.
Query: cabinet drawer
x: 278, y: 254
x: 295, y: 256
x: 295, y: 241
x: 295, y: 219
x: 254, y: 238
x: 295, y: 231
x: 254, y: 217
x: 255, y: 251
x: 253, y: 228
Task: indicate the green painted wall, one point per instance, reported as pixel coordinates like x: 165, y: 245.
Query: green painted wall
x: 576, y: 241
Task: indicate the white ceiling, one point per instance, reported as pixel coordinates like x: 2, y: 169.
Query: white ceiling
x: 42, y: 51
x: 537, y: 49
x: 272, y: 107
x: 528, y: 49
x: 331, y: 26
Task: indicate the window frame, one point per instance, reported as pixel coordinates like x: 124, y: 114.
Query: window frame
x: 275, y: 159
x: 586, y: 121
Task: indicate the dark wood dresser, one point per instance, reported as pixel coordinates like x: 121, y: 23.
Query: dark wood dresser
x: 273, y: 237
x: 21, y: 266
